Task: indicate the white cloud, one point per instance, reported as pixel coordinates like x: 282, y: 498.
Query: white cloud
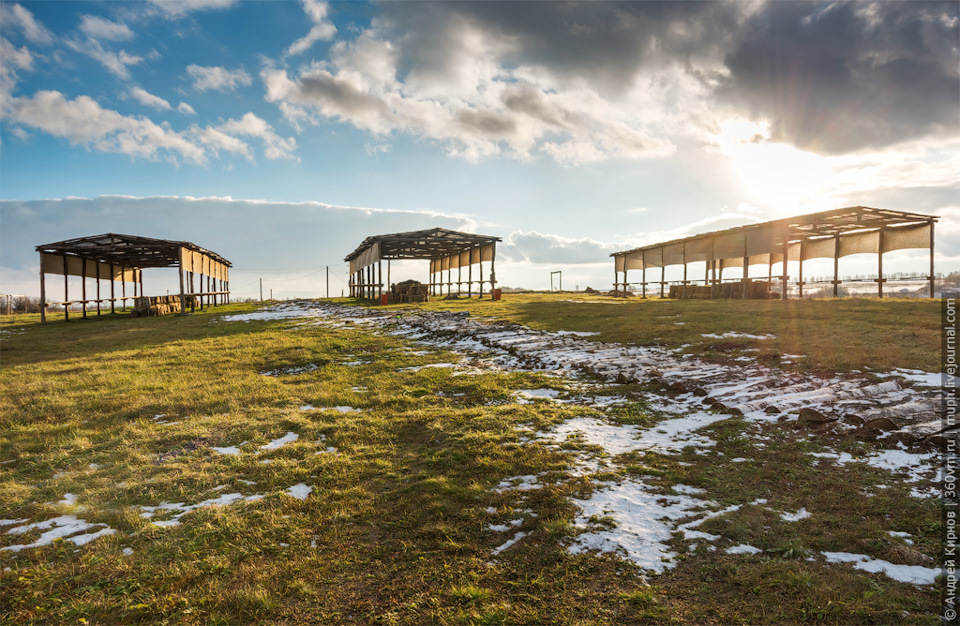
x: 13, y: 57
x: 534, y: 247
x: 15, y: 16
x: 218, y: 140
x: 82, y: 121
x: 148, y: 99
x: 322, y: 30
x: 476, y: 109
x: 116, y: 62
x: 186, y: 109
x: 11, y: 60
x: 96, y: 27
x: 218, y: 78
x: 275, y: 147
x: 174, y: 9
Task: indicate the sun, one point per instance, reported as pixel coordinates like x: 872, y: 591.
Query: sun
x: 774, y: 174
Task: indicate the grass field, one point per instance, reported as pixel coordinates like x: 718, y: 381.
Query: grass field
x: 282, y: 471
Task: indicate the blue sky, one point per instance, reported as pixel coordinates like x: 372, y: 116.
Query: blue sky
x: 280, y: 134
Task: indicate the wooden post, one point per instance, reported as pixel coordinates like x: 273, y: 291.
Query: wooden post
x: 836, y: 266
x: 683, y: 289
x: 83, y: 285
x: 746, y: 271
x: 183, y: 299
x: 480, y: 295
x: 66, y: 291
x: 663, y: 272
x: 616, y: 278
x: 113, y: 286
x: 786, y: 250
x: 98, y: 290
x: 643, y: 274
x: 193, y: 290
x: 803, y: 245
x: 123, y: 285
x: 931, y: 259
x: 43, y: 293
x: 140, y: 276
x: 389, y: 284
x: 470, y: 277
x: 493, y: 270
x: 379, y: 279
x: 880, y: 263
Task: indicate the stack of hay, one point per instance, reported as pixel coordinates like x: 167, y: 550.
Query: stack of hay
x: 159, y: 305
x: 408, y: 291
x: 756, y: 290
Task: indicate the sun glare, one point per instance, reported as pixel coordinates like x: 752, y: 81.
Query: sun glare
x: 775, y: 174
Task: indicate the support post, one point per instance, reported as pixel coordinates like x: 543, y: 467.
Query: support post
x: 931, y: 259
x: 123, y: 285
x: 683, y: 289
x: 66, y: 291
x: 803, y: 245
x: 880, y: 263
x: 746, y: 272
x: 379, y: 280
x: 643, y: 274
x: 836, y: 266
x: 83, y: 285
x: 183, y: 299
x: 493, y: 271
x: 98, y: 290
x: 113, y: 286
x: 470, y: 277
x: 786, y: 250
x: 663, y: 274
x: 43, y: 294
x: 193, y: 290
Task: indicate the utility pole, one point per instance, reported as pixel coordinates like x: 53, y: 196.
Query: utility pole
x: 271, y: 295
x: 261, y: 290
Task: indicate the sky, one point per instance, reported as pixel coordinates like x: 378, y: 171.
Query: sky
x: 280, y: 134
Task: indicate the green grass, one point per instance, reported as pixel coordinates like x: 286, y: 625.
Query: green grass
x: 395, y: 530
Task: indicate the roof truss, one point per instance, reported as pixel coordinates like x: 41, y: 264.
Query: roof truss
x: 813, y: 225
x: 422, y: 244
x: 127, y: 250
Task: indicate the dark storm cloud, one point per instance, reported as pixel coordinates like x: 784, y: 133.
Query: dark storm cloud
x: 340, y: 96
x: 835, y: 78
x: 604, y: 43
x: 829, y: 77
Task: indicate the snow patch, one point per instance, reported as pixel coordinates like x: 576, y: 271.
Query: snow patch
x: 916, y: 574
x: 290, y: 437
